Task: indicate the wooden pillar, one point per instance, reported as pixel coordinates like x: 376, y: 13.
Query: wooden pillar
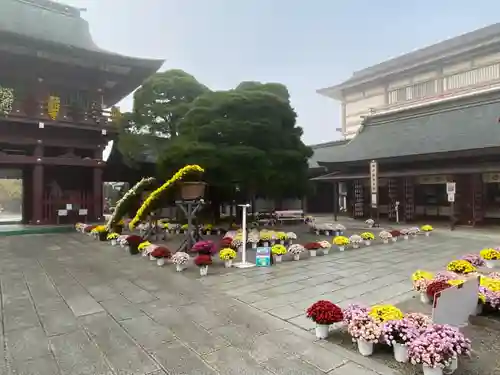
x: 97, y: 193
x: 409, y: 199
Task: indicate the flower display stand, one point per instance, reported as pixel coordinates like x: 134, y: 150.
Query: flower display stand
x: 190, y: 208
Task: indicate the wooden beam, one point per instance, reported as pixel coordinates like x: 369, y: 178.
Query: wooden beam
x: 33, y: 160
x: 52, y: 142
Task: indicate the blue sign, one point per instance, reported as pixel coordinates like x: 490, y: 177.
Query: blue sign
x: 263, y: 257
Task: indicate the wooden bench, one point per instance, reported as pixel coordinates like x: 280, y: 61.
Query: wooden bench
x: 289, y: 216
x: 265, y: 218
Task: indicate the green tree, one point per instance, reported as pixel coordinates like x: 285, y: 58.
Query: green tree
x: 245, y: 137
x: 159, y: 104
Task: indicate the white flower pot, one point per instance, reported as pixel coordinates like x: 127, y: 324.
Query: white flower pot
x: 394, y: 239
x: 427, y: 234
x: 400, y: 353
x: 203, y: 270
x: 144, y: 254
x: 491, y: 263
x: 290, y: 242
x: 424, y: 298
x: 405, y: 236
x: 355, y: 245
x: 179, y: 267
x: 368, y: 242
x: 218, y: 232
x: 208, y: 233
x: 266, y: 244
x: 312, y: 253
x: 178, y: 231
x: 273, y: 242
x: 278, y: 258
x: 254, y: 245
x: 322, y: 331
x: 151, y: 257
x: 452, y: 367
x: 326, y: 251
x: 228, y: 263
x: 296, y: 256
x: 327, y: 232
x: 282, y: 242
x: 317, y: 232
x: 365, y: 348
x: 113, y: 242
x: 160, y: 262
x: 341, y: 248
x: 385, y: 240
x: 432, y: 371
x: 370, y: 225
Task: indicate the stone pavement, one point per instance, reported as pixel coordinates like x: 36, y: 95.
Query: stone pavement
x: 72, y: 306
x: 376, y: 274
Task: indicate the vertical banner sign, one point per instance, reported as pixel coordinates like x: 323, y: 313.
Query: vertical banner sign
x: 451, y: 190
x: 374, y: 183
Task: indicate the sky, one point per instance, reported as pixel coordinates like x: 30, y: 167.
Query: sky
x: 304, y: 44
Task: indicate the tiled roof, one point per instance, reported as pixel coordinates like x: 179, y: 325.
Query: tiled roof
x: 321, y: 150
x: 461, y: 125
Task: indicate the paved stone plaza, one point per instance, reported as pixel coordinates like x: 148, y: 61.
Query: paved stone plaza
x: 72, y: 306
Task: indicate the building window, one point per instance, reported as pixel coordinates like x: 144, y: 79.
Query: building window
x: 472, y: 77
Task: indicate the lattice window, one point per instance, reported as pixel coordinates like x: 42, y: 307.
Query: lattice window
x: 359, y: 206
x: 392, y: 186
x: 472, y: 77
x: 409, y: 203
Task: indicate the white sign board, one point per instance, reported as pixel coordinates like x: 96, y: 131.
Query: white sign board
x: 454, y: 305
x: 82, y: 211
x: 69, y: 206
x: 451, y: 197
x: 62, y: 213
x: 374, y: 182
x: 451, y: 188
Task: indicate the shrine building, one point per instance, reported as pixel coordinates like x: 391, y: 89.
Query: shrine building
x: 426, y: 119
x: 57, y: 89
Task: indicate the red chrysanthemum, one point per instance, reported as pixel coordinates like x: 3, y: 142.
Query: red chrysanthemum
x: 436, y: 287
x: 312, y: 246
x: 134, y: 240
x: 203, y: 260
x: 395, y: 233
x: 161, y: 252
x: 325, y: 312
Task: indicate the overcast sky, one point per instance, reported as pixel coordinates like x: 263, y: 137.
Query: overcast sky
x: 305, y: 44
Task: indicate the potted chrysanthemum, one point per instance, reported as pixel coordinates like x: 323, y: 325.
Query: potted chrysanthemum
x: 265, y: 237
x: 281, y: 237
x: 475, y: 259
x: 398, y: 334
x: 291, y: 237
x: 325, y: 246
x: 339, y: 229
x: 324, y: 314
x: 160, y: 253
x: 208, y: 228
x: 341, y: 242
x: 413, y: 231
x: 459, y: 344
x: 99, y: 232
x: 227, y: 255
x: 368, y: 237
x: 405, y: 233
x: 312, y: 247
x: 278, y: 251
x: 370, y: 223
x: 131, y: 243
x: 431, y: 350
x: 355, y: 240
x: 143, y: 246
x: 203, y: 261
x: 180, y: 259
x: 420, y: 321
x: 365, y: 332
x: 113, y: 238
x: 427, y: 229
x: 295, y: 250
x: 395, y: 234
x: 460, y: 266
x: 385, y: 236
x: 420, y: 281
x: 253, y: 239
x: 435, y: 287
x: 384, y: 313
x: 490, y: 256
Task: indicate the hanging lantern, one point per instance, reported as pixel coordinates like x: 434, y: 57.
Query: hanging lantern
x: 6, y: 100
x: 53, y: 106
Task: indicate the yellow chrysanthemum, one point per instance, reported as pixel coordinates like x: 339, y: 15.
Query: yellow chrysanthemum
x: 490, y: 254
x: 455, y: 282
x: 384, y: 313
x: 419, y: 274
x: 144, y: 210
x: 460, y: 266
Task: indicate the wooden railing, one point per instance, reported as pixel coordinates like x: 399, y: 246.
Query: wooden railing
x: 39, y: 110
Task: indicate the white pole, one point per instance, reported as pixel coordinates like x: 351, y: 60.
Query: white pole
x: 397, y: 212
x: 244, y: 263
x: 244, y: 236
